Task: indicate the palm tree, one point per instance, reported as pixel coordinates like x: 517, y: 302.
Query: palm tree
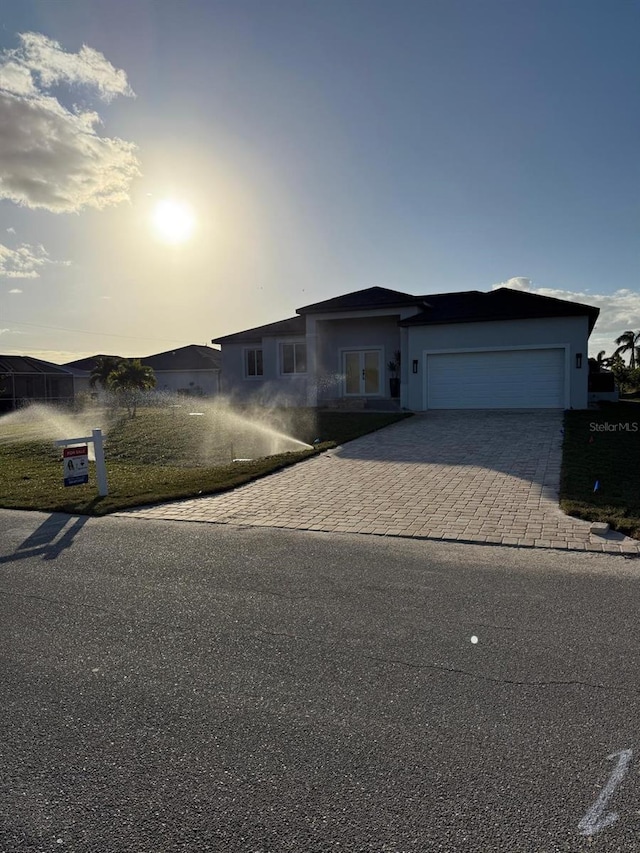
x: 629, y: 342
x: 102, y: 369
x: 129, y: 379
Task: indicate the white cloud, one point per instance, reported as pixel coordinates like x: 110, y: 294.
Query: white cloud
x: 51, y: 156
x: 11, y: 230
x: 15, y: 290
x: 46, y: 59
x: 619, y: 311
x: 24, y: 262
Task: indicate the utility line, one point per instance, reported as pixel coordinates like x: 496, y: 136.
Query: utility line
x: 96, y: 334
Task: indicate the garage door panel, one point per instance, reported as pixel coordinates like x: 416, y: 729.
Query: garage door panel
x: 496, y: 379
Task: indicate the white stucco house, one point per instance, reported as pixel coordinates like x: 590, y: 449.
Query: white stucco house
x: 502, y: 349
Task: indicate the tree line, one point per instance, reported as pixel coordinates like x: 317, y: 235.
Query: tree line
x: 627, y: 376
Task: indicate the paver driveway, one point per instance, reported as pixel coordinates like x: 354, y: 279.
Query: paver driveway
x: 474, y: 476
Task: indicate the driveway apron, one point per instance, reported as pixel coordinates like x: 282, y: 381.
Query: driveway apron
x: 472, y: 476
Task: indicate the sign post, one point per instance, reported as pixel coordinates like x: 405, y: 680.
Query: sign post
x: 75, y: 461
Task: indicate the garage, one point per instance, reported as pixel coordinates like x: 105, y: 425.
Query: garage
x: 496, y: 379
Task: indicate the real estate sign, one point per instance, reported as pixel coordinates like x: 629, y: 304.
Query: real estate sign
x: 75, y: 465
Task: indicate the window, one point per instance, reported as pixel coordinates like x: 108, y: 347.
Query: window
x: 293, y: 358
x: 253, y: 362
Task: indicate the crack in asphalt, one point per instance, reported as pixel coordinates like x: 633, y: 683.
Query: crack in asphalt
x: 480, y: 676
x: 319, y: 641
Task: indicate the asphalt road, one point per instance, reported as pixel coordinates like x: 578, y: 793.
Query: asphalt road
x: 194, y: 687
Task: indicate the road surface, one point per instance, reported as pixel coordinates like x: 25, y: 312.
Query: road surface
x: 194, y: 687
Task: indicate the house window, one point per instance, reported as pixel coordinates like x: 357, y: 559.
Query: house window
x: 293, y: 358
x: 253, y: 362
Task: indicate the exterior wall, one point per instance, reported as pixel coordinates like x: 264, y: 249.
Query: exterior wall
x: 329, y: 334
x: 323, y: 355
x: 196, y: 382
x: 335, y: 336
x: 272, y: 388
x: 569, y: 331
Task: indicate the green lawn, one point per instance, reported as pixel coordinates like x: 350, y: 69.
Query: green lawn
x: 603, y: 445
x: 164, y: 454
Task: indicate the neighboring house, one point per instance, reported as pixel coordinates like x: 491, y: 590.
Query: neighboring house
x: 25, y: 380
x: 602, y: 384
x: 191, y: 369
x: 81, y: 369
x: 502, y: 349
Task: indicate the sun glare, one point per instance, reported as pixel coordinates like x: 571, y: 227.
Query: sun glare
x: 173, y: 221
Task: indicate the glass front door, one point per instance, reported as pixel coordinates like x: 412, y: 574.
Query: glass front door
x: 361, y: 370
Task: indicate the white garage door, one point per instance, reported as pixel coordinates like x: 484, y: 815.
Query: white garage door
x: 501, y: 379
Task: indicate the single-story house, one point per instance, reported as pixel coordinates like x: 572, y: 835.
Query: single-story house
x: 193, y: 369
x: 25, y: 380
x: 189, y: 370
x: 502, y: 349
x: 81, y: 369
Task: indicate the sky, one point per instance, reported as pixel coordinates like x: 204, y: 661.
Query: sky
x: 171, y: 172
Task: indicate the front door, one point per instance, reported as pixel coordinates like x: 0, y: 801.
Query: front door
x: 361, y: 370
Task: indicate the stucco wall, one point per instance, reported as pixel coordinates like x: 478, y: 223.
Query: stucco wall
x: 554, y: 330
x: 194, y: 381
x: 272, y: 388
x: 334, y: 336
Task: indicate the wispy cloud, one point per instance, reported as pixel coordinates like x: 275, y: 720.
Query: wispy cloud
x: 11, y: 230
x: 619, y: 310
x: 15, y: 290
x: 24, y: 262
x: 51, y: 156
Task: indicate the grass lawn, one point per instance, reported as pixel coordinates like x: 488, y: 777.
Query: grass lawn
x: 603, y: 445
x: 163, y: 454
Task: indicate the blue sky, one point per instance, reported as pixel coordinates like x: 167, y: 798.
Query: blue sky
x: 321, y: 147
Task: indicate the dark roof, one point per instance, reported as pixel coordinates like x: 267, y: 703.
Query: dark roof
x: 505, y: 303
x: 191, y: 357
x: 28, y: 364
x: 372, y: 297
x: 290, y: 326
x: 89, y: 362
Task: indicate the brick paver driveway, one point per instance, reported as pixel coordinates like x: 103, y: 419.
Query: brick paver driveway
x: 474, y: 476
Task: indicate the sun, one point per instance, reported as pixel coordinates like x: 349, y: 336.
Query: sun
x: 173, y: 221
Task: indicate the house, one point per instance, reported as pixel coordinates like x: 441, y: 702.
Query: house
x: 189, y: 370
x: 502, y: 349
x: 602, y: 384
x: 192, y: 369
x: 24, y: 380
x: 81, y: 369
